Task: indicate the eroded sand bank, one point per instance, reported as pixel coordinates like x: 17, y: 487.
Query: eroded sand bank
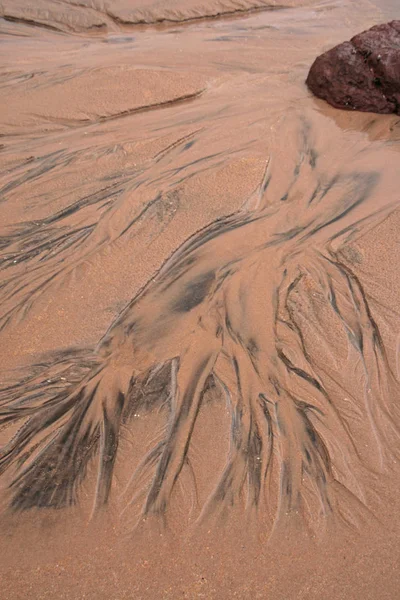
x: 199, y: 307
x: 84, y: 15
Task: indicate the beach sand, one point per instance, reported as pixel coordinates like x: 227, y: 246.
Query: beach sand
x: 199, y: 306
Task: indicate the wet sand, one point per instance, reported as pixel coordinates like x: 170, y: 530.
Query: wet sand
x: 199, y: 390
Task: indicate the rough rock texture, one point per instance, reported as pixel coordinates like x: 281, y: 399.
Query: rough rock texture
x: 363, y: 74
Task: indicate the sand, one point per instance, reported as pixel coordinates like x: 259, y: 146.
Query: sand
x: 84, y: 15
x: 199, y: 386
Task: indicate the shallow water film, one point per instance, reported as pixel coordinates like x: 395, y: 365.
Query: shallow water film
x: 199, y: 305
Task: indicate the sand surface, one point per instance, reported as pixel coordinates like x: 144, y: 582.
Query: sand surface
x: 83, y: 15
x: 199, y: 306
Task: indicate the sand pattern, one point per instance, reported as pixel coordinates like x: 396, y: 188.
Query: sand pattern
x: 198, y: 288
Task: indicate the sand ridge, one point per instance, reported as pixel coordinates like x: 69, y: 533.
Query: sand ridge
x: 92, y: 15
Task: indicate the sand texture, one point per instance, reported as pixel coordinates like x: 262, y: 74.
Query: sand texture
x: 81, y: 15
x: 199, y: 306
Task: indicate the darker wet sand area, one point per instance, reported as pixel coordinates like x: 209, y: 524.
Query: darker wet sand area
x: 199, y: 306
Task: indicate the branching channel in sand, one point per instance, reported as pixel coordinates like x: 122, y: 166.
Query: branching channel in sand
x: 224, y: 313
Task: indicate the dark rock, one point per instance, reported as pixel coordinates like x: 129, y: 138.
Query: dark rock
x: 363, y: 74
